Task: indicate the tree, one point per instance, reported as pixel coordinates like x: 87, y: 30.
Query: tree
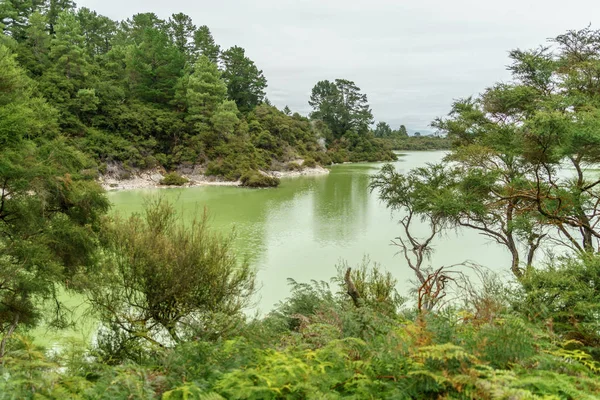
x: 225, y: 118
x: 164, y: 282
x: 382, y: 130
x: 15, y: 14
x: 547, y: 116
x: 182, y: 31
x: 50, y: 208
x: 53, y: 10
x: 245, y: 82
x: 154, y: 63
x: 204, y: 44
x: 341, y: 106
x: 505, y: 178
x: 69, y: 71
x: 67, y: 51
x: 206, y: 91
x: 402, y: 132
x: 35, y: 48
x: 98, y: 31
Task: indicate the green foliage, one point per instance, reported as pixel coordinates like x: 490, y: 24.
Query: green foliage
x: 50, y: 206
x: 173, y: 179
x: 415, y: 143
x: 153, y: 63
x: 528, y: 132
x: 145, y: 92
x: 359, y: 148
x: 163, y: 283
x: 170, y: 297
x: 255, y: 179
x: 383, y: 130
x: 317, y: 344
x: 245, y: 82
x: 341, y: 106
x: 309, y: 162
x: 205, y: 44
x: 566, y: 296
x: 205, y: 91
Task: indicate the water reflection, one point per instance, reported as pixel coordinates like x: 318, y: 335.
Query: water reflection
x: 341, y: 209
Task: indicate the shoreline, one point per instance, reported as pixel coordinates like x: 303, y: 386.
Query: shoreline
x: 151, y: 179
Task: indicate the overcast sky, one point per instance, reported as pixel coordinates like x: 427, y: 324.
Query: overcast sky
x: 411, y: 58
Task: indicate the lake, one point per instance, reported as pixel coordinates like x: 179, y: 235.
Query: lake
x: 308, y: 225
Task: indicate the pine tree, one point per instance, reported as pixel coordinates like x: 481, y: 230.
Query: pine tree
x: 181, y: 30
x: 204, y: 44
x: 97, y: 30
x: 54, y: 8
x: 34, y: 50
x: 245, y: 82
x: 205, y: 91
x: 154, y: 66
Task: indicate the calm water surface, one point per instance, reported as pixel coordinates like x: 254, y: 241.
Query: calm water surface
x: 304, y: 228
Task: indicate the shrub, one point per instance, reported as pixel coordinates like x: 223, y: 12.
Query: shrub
x: 163, y: 281
x: 321, y: 158
x: 567, y: 296
x: 309, y: 162
x: 173, y: 179
x: 255, y: 179
x: 124, y: 175
x: 293, y: 166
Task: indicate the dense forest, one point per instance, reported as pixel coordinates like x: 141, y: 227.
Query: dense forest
x: 79, y: 91
x: 147, y: 92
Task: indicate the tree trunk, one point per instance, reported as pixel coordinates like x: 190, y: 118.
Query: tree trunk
x: 352, y: 291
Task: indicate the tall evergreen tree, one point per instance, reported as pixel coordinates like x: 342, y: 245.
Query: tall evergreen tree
x: 181, y: 30
x: 204, y: 44
x: 97, y: 30
x: 382, y: 130
x: 205, y: 91
x: 15, y: 14
x: 70, y: 69
x: 67, y: 52
x: 245, y: 82
x: 402, y: 132
x: 34, y: 50
x: 53, y: 10
x: 154, y: 65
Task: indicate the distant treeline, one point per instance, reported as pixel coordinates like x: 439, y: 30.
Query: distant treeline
x: 419, y: 143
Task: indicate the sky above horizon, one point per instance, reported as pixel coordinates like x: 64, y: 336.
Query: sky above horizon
x: 410, y: 58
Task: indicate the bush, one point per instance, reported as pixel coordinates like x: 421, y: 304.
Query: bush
x: 293, y: 166
x: 164, y: 282
x: 309, y: 162
x: 322, y: 158
x: 568, y: 296
x: 255, y: 179
x: 173, y: 179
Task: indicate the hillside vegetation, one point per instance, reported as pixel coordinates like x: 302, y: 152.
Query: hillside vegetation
x: 148, y: 92
x: 78, y: 90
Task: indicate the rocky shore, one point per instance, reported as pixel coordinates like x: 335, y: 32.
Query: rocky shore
x: 116, y: 178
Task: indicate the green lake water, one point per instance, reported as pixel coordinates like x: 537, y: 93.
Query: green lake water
x: 301, y: 230
x: 305, y: 227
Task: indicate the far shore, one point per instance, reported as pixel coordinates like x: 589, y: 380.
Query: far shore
x: 151, y: 179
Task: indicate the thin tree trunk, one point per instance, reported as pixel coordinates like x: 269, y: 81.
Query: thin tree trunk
x: 352, y: 291
x: 7, y: 336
